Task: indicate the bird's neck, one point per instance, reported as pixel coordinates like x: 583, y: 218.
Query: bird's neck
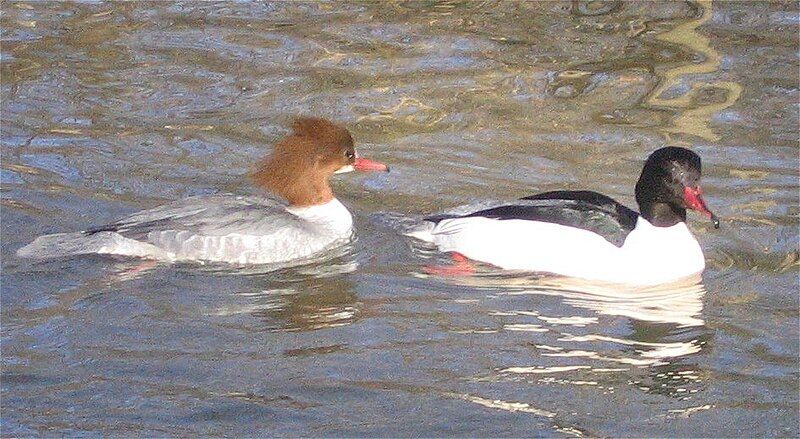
x: 306, y: 193
x: 662, y: 214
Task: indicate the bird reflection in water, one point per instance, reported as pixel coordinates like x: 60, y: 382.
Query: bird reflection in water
x: 665, y: 329
x: 310, y: 297
x: 311, y: 305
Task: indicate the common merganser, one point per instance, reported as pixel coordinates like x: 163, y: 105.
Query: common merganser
x: 240, y: 229
x: 588, y: 235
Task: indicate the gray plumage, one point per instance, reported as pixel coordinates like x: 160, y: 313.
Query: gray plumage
x: 223, y: 228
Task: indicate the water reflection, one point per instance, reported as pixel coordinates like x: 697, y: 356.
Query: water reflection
x: 704, y: 100
x: 679, y: 303
x: 305, y: 298
x: 111, y: 107
x: 663, y: 64
x: 302, y: 306
x: 661, y: 330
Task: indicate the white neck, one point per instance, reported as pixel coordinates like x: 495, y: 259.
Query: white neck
x: 332, y: 215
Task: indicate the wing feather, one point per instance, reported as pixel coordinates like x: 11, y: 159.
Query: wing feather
x: 581, y: 209
x: 215, y: 215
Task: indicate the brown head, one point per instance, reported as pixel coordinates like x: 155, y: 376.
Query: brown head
x: 301, y: 164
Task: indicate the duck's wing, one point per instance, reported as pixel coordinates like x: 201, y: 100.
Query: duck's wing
x: 213, y: 215
x: 580, y: 209
x: 616, y: 211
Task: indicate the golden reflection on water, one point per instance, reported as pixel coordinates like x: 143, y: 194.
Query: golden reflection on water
x: 694, y: 115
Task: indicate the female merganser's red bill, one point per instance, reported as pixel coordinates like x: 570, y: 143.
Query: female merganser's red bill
x: 238, y: 229
x: 362, y: 164
x: 588, y: 235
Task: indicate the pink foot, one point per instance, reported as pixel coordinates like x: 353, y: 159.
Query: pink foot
x: 461, y: 267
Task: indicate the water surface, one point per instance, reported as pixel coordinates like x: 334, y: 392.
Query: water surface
x: 112, y: 107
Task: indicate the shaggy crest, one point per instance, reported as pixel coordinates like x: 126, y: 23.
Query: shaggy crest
x: 300, y: 165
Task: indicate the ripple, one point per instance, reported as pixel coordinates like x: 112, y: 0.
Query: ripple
x: 109, y: 107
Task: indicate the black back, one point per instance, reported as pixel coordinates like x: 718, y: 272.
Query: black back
x: 580, y: 209
x: 622, y: 214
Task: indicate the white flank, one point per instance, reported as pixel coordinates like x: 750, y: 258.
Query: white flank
x: 650, y: 255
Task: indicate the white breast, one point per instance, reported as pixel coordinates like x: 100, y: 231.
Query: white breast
x: 650, y: 254
x: 332, y: 216
x: 661, y: 254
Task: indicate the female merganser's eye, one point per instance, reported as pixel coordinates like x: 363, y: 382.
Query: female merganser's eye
x: 350, y: 154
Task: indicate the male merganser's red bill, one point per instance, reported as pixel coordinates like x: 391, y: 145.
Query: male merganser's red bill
x: 240, y: 229
x: 588, y: 235
x: 694, y: 200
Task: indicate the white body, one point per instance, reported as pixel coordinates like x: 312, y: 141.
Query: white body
x: 650, y: 255
x: 220, y: 228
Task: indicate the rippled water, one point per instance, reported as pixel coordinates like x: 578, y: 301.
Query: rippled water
x: 111, y: 107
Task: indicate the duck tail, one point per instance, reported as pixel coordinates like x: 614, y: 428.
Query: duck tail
x: 66, y: 244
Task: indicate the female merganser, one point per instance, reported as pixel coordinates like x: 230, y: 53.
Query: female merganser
x: 588, y: 235
x: 240, y: 229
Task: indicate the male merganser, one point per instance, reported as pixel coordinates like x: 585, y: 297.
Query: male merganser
x: 240, y: 229
x: 588, y: 235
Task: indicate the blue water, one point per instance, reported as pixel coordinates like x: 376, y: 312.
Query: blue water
x: 112, y: 107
